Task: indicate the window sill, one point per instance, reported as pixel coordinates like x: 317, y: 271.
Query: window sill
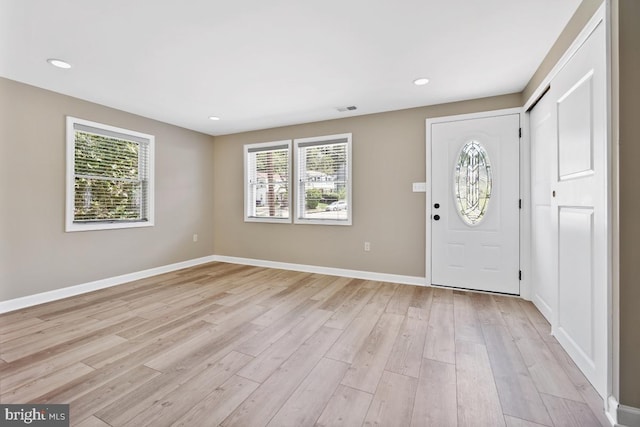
x: 94, y: 226
x: 268, y: 220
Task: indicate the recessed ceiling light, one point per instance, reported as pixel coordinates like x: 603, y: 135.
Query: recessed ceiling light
x: 59, y: 63
x: 214, y: 118
x: 349, y: 108
x: 421, y: 81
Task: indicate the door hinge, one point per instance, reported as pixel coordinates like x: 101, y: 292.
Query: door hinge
x: 520, y: 204
x: 519, y: 274
x: 519, y: 132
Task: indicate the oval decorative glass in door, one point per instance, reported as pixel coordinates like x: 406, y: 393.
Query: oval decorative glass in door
x: 472, y: 182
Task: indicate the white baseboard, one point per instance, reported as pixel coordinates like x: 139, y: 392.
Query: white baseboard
x: 628, y: 416
x: 41, y: 298
x: 542, y: 307
x: 44, y: 297
x: 611, y: 410
x: 619, y: 415
x: 356, y: 274
x: 622, y: 415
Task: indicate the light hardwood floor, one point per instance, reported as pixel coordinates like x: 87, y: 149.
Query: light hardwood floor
x: 232, y: 345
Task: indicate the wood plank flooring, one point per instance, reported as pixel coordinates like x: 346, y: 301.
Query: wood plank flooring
x: 233, y: 345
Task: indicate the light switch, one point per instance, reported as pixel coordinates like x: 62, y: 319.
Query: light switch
x: 419, y: 187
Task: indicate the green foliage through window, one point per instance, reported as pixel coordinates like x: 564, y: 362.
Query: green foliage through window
x: 110, y: 182
x: 313, y: 197
x: 323, y: 179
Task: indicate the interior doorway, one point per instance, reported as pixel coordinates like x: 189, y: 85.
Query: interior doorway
x: 570, y: 248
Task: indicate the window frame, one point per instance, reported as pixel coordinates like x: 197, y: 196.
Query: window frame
x: 300, y: 198
x: 265, y: 146
x: 109, y: 131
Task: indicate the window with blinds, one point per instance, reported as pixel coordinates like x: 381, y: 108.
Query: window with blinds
x: 109, y: 177
x: 267, y: 181
x: 323, y: 180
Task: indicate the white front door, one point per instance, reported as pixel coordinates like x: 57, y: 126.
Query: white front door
x: 475, y: 203
x: 579, y: 208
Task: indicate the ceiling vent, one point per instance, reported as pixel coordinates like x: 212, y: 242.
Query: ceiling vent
x: 349, y: 108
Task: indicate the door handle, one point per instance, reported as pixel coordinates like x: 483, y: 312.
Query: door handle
x: 436, y: 206
x: 436, y: 217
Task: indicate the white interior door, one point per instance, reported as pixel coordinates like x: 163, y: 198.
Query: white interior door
x: 579, y: 208
x: 475, y: 203
x: 544, y: 280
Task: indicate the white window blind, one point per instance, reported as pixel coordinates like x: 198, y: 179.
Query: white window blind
x: 267, y: 172
x: 109, y: 176
x: 323, y: 179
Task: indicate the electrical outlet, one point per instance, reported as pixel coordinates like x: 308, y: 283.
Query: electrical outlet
x: 367, y: 246
x: 195, y: 237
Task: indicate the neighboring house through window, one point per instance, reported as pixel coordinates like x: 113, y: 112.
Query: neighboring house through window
x: 109, y: 177
x: 267, y: 181
x: 323, y: 180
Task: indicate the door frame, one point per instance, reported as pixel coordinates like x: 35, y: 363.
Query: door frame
x: 524, y: 186
x: 602, y: 16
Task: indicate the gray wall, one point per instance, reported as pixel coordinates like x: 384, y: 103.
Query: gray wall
x: 577, y: 22
x: 36, y: 255
x: 388, y: 155
x: 629, y: 198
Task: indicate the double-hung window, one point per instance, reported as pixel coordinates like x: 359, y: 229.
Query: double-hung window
x: 323, y: 180
x: 109, y: 177
x: 267, y: 181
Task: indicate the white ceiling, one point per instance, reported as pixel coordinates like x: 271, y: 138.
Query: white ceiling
x: 266, y: 63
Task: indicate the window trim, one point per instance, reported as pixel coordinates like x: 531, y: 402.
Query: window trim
x: 70, y: 225
x: 265, y: 146
x: 318, y: 140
